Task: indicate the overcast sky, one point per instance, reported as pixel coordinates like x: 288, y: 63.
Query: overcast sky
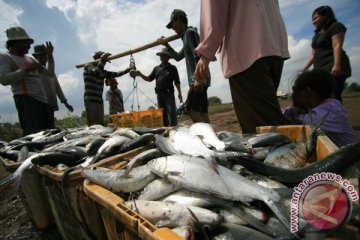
x: 77, y: 28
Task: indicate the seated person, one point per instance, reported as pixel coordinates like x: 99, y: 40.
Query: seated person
x: 312, y: 100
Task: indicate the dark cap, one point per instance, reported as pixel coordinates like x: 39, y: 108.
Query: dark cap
x: 40, y: 50
x: 177, y: 13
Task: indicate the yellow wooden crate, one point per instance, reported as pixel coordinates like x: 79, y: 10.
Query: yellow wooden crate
x: 81, y: 206
x: 150, y: 118
x: 324, y: 146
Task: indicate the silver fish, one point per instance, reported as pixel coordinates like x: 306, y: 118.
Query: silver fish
x: 164, y: 144
x: 194, y: 174
x: 291, y: 155
x: 185, y: 232
x: 186, y: 143
x: 190, y: 198
x: 157, y: 189
x: 93, y: 146
x: 170, y: 214
x: 15, y: 177
x: 126, y: 132
x: 109, y: 179
x: 115, y: 141
x: 238, y: 232
x: 142, y: 158
x: 206, y: 132
x: 268, y: 139
x: 230, y: 217
x: 258, y: 178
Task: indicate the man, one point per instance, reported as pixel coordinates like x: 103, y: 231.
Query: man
x: 252, y: 41
x: 166, y: 76
x: 197, y: 102
x: 44, y: 54
x: 22, y: 74
x: 115, y: 97
x: 94, y: 76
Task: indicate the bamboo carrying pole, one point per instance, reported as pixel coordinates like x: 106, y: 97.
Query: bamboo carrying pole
x: 139, y: 49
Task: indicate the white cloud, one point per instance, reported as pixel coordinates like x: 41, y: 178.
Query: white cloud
x: 69, y: 81
x: 9, y: 18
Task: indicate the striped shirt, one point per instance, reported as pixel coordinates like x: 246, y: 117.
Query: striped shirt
x: 94, y: 76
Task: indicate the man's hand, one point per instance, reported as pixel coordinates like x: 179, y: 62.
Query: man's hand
x: 69, y: 107
x: 29, y: 67
x: 105, y: 57
x: 202, y: 69
x: 161, y: 39
x: 50, y: 49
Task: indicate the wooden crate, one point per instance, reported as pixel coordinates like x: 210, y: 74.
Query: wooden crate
x: 324, y: 146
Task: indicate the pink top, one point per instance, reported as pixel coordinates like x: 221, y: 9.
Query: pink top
x: 244, y: 30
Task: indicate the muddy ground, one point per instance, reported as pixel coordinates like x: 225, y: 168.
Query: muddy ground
x: 15, y: 224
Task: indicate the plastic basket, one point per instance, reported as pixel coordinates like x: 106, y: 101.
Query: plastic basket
x: 121, y: 222
x: 149, y: 118
x: 33, y: 197
x: 83, y: 215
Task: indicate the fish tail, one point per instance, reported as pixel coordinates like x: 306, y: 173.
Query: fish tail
x: 280, y: 211
x: 5, y: 182
x: 95, y: 159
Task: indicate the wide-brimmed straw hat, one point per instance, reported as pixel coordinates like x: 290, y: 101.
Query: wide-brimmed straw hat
x: 17, y: 34
x: 163, y: 51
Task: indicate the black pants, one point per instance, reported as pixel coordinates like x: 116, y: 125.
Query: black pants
x: 254, y: 97
x: 33, y: 114
x: 166, y: 100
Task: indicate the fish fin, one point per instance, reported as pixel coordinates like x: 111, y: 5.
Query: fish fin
x: 214, y: 166
x: 198, y: 225
x: 257, y: 224
x: 280, y: 211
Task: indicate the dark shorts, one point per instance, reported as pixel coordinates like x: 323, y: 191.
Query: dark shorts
x: 197, y: 101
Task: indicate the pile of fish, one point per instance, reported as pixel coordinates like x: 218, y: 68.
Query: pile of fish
x: 198, y: 182
x: 208, y: 185
x: 71, y: 148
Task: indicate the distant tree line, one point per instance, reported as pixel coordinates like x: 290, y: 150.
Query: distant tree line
x: 352, y: 87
